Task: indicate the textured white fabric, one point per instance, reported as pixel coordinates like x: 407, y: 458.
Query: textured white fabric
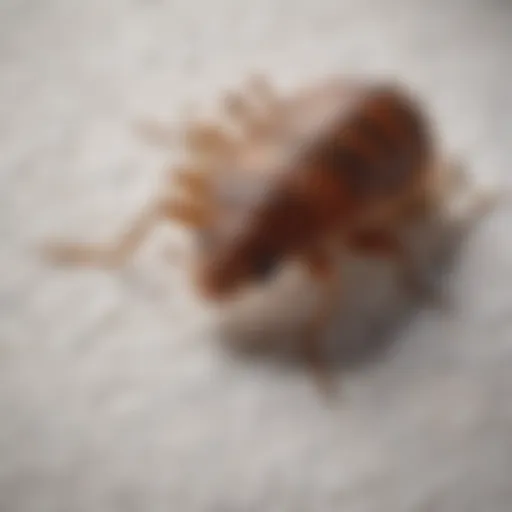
x: 113, y: 396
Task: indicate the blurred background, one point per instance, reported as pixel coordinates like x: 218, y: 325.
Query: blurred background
x: 112, y: 397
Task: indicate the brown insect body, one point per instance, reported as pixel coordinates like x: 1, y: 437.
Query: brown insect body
x: 355, y: 174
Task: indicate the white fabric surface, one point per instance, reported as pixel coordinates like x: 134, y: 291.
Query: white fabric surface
x: 113, y: 396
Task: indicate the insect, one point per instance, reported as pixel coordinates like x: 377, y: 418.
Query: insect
x: 337, y: 165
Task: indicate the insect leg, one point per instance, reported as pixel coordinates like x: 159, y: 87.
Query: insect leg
x: 322, y: 267
x: 116, y: 254
x: 253, y: 123
x: 191, y: 215
x: 194, y: 181
x: 443, y: 180
x: 103, y: 255
x: 481, y: 200
x: 201, y: 139
x: 208, y: 140
x: 268, y: 119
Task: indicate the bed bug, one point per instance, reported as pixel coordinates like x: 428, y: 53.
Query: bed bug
x: 337, y: 165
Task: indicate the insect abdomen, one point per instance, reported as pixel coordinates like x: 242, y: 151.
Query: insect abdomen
x: 378, y: 146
